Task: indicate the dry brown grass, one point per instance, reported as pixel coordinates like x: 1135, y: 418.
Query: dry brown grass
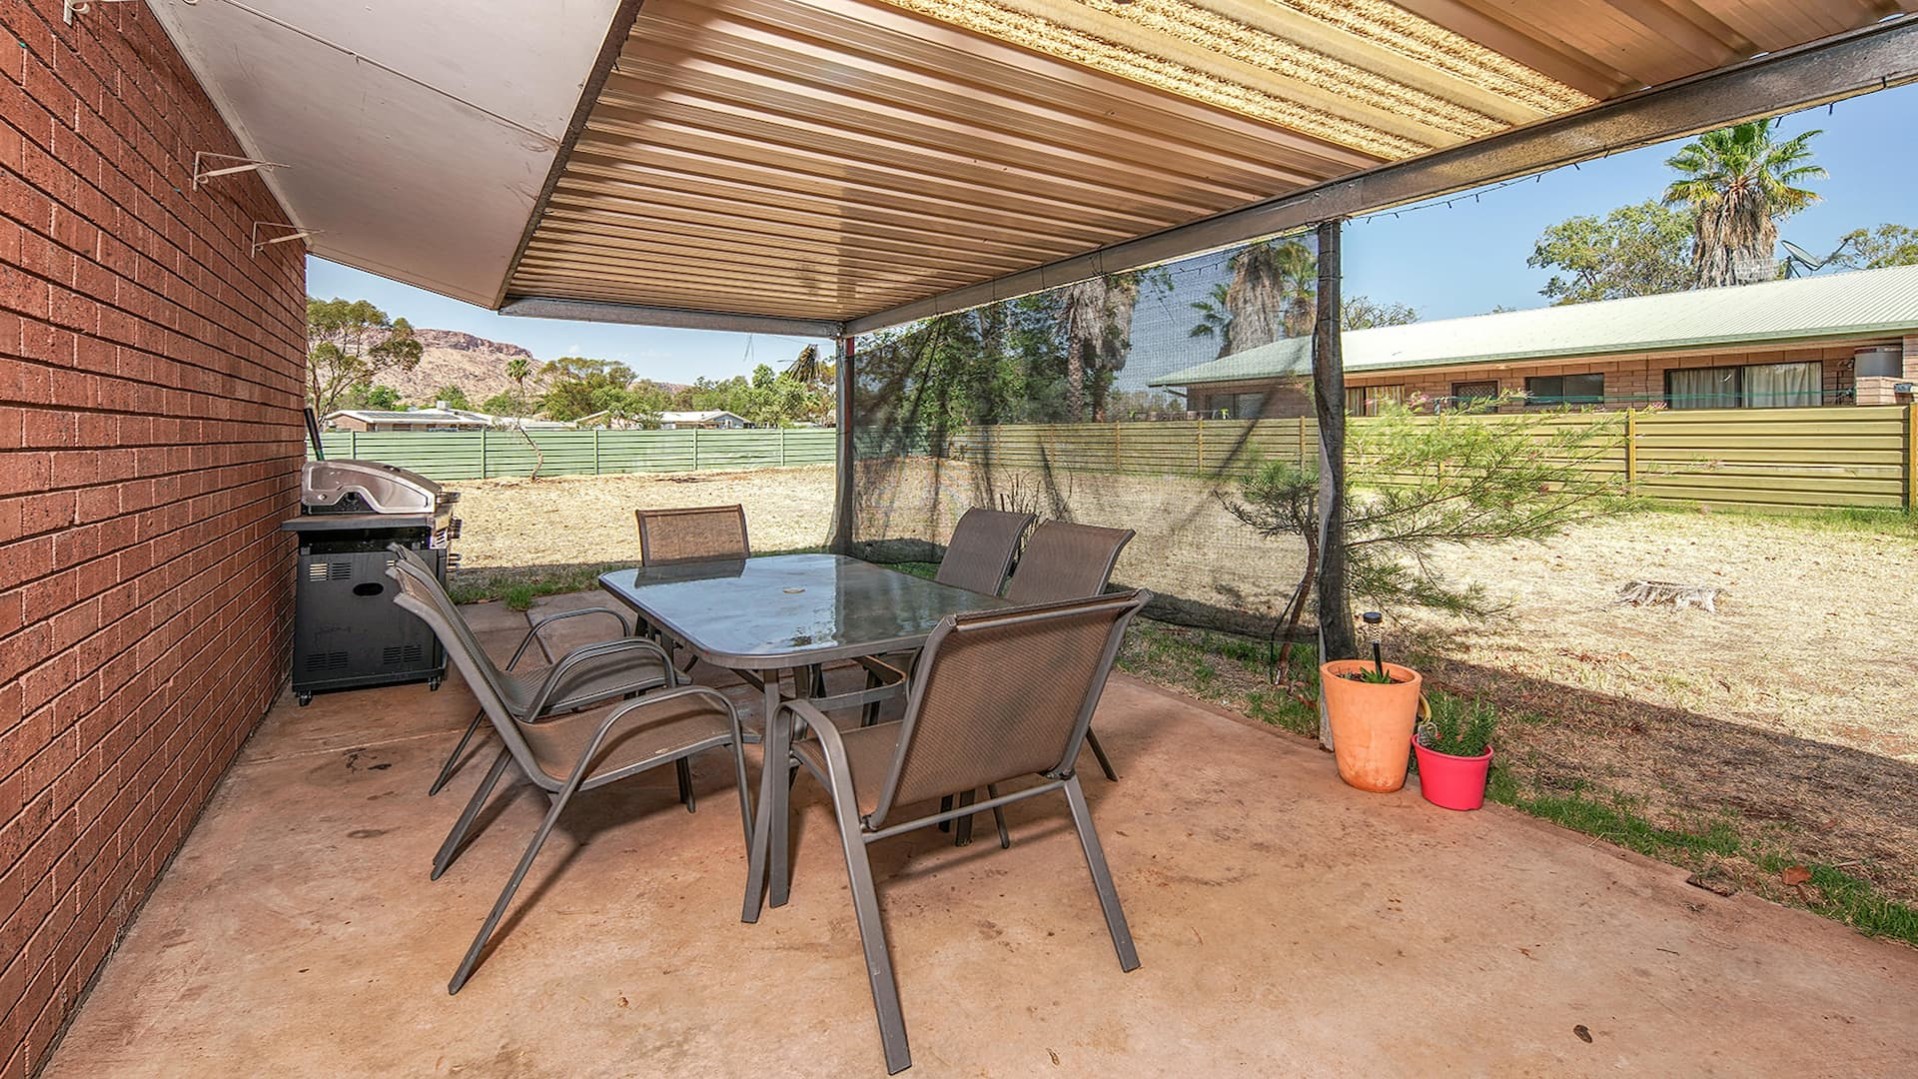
x: 1812, y: 635
x: 589, y: 519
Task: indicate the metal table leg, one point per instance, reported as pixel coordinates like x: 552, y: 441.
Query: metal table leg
x: 769, y: 825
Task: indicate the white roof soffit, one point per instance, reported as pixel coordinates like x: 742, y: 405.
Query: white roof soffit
x: 416, y: 135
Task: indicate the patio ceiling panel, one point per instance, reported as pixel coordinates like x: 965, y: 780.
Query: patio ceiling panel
x: 844, y: 160
x: 836, y: 132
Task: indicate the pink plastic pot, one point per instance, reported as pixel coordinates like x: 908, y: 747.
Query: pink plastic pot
x: 1452, y: 782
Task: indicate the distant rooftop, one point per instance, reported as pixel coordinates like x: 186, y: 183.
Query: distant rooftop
x: 1861, y: 303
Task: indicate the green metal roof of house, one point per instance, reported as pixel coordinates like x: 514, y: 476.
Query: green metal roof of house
x: 1862, y: 303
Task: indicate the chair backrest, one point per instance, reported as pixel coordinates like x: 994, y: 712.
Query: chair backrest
x: 1005, y: 693
x: 702, y: 534
x: 1066, y: 561
x: 981, y: 549
x: 422, y: 596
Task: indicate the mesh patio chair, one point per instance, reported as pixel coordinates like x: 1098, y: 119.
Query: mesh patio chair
x: 977, y: 558
x: 589, y: 675
x: 979, y: 554
x: 999, y: 695
x: 698, y: 534
x: 702, y: 534
x: 613, y: 675
x: 577, y: 751
x: 1069, y: 561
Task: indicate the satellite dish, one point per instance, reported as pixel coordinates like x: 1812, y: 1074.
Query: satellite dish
x: 1800, y: 261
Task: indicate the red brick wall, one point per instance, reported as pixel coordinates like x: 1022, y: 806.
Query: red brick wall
x: 1639, y: 379
x: 150, y: 440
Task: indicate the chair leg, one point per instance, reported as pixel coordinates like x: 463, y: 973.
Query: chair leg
x: 945, y: 805
x: 869, y: 714
x: 872, y: 931
x: 450, y: 849
x: 472, y: 959
x: 684, y: 770
x: 453, y: 758
x: 1099, y: 751
x: 962, y: 833
x: 999, y: 818
x: 745, y: 795
x: 1101, y: 877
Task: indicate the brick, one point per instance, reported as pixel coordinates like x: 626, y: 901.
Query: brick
x: 149, y: 439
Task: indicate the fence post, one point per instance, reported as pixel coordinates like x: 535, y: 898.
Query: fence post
x: 352, y: 445
x: 1201, y: 444
x: 782, y: 447
x: 1301, y: 426
x: 695, y: 449
x: 595, y: 451
x: 1118, y: 449
x: 1631, y: 451
x: 482, y: 474
x: 1911, y: 456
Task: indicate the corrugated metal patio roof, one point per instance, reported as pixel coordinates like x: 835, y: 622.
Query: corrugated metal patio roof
x: 1862, y: 303
x: 857, y: 162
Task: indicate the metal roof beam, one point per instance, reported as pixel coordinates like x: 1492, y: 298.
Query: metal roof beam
x: 679, y: 318
x: 1874, y: 58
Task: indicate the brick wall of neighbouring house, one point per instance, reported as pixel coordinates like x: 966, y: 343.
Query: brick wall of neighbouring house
x: 1639, y: 380
x: 150, y: 440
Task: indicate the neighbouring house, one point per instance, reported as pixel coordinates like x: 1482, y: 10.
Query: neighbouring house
x: 419, y: 419
x: 1840, y: 339
x: 707, y: 418
x: 431, y: 419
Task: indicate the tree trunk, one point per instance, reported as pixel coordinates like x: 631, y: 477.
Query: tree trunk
x: 1328, y: 384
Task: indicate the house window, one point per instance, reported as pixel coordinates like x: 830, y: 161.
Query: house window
x: 1364, y: 400
x: 1464, y: 393
x: 1237, y: 406
x: 1759, y: 385
x: 1548, y: 390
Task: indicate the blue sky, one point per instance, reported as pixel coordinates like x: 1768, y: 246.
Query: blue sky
x: 1445, y: 261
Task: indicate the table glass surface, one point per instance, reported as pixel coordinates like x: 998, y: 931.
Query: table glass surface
x: 780, y: 610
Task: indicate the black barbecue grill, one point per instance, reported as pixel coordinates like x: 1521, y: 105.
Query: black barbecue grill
x: 347, y: 633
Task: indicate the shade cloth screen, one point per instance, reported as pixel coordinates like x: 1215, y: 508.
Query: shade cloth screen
x: 1782, y: 385
x: 1134, y: 401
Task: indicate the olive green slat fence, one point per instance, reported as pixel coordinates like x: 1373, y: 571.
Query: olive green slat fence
x: 1779, y: 458
x: 467, y: 455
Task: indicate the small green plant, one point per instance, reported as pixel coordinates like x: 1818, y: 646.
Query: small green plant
x: 1457, y: 727
x: 1371, y: 676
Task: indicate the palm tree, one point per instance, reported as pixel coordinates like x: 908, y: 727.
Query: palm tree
x: 1215, y: 318
x: 519, y: 369
x: 1095, y: 318
x: 1269, y: 297
x: 1740, y: 182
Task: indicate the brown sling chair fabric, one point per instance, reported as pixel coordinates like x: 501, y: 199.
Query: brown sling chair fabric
x: 999, y: 695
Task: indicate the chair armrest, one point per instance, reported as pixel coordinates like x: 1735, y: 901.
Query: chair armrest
x: 889, y: 674
x: 585, y: 655
x: 533, y: 633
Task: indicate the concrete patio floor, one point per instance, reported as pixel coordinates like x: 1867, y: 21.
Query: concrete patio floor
x: 1288, y: 925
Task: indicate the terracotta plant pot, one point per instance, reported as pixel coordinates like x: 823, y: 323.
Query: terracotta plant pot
x: 1371, y: 722
x: 1451, y: 782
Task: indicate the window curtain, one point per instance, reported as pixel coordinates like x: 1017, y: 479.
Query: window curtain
x: 1703, y: 387
x: 1782, y: 385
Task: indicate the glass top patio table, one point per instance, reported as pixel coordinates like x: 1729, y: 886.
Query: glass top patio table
x: 780, y: 611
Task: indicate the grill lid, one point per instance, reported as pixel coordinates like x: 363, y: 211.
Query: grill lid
x: 337, y: 486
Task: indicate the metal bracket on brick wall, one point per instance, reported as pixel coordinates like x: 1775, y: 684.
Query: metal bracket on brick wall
x: 297, y: 233
x: 246, y: 164
x: 81, y: 7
